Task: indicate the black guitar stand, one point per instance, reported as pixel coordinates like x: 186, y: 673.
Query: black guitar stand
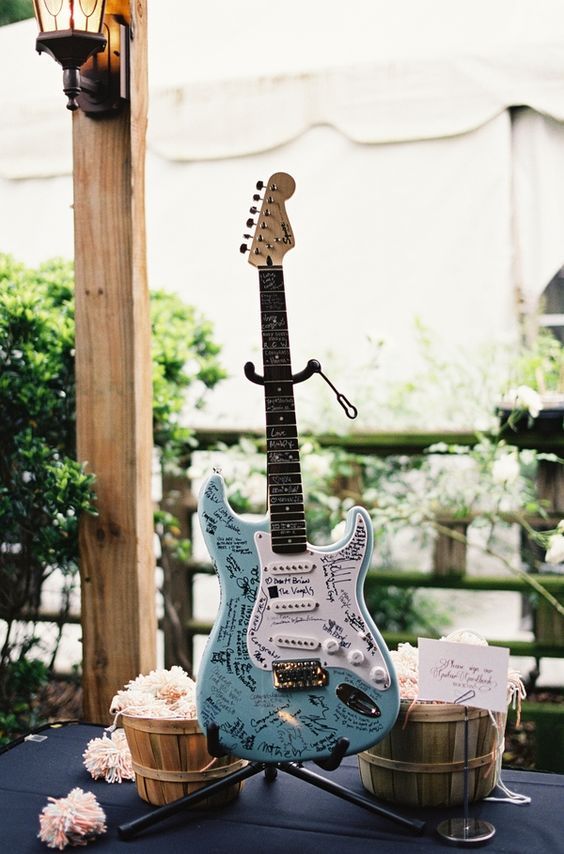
x: 312, y: 367
x: 271, y: 769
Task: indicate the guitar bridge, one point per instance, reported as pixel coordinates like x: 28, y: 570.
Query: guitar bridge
x: 299, y: 675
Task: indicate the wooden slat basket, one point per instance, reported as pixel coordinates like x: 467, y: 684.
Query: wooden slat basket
x: 420, y: 762
x: 170, y: 760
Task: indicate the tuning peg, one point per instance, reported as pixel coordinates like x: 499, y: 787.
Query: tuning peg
x: 253, y: 210
x: 243, y: 248
x: 256, y: 197
x: 250, y: 222
x: 260, y: 185
x: 248, y: 236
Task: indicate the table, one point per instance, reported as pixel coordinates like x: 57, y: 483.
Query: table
x: 279, y: 817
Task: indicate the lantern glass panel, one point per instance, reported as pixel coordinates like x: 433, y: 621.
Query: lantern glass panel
x: 56, y: 15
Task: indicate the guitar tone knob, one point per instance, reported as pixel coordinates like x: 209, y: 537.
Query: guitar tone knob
x: 355, y: 656
x: 379, y: 676
x: 330, y: 646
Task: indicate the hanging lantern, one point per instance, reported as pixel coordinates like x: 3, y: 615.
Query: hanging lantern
x: 71, y: 31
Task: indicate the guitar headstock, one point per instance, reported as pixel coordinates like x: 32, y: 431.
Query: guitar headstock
x: 273, y: 235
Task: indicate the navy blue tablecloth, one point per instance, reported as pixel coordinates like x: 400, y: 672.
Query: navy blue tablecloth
x: 279, y: 817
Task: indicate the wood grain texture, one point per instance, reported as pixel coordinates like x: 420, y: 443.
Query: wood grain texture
x: 420, y: 762
x: 170, y: 760
x: 114, y: 395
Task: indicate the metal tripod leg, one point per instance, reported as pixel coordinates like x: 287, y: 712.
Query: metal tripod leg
x: 132, y: 828
x: 352, y: 797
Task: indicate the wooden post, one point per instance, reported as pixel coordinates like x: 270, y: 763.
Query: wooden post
x: 550, y: 485
x: 449, y: 553
x: 178, y: 582
x: 113, y: 376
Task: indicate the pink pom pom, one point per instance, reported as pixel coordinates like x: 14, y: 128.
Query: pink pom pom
x: 73, y: 820
x: 109, y: 758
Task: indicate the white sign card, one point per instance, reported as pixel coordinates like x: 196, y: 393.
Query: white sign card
x: 463, y: 673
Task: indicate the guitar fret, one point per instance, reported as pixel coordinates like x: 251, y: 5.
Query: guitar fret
x: 286, y: 431
x: 284, y: 489
x: 279, y: 529
x: 285, y: 527
x: 278, y: 344
x: 277, y: 357
x: 277, y: 373
x: 286, y: 478
x: 288, y: 444
x: 283, y: 443
x: 291, y: 494
x: 271, y: 280
x: 276, y: 340
x: 278, y: 457
x: 290, y: 499
x: 294, y: 514
x: 283, y: 468
x: 277, y: 401
x: 272, y: 301
x: 284, y: 388
x: 274, y: 321
x: 286, y: 516
x: 288, y: 545
x: 280, y: 418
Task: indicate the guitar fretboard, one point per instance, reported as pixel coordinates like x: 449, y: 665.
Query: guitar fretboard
x: 285, y: 491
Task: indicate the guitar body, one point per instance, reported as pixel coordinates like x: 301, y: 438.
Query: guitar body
x: 294, y: 661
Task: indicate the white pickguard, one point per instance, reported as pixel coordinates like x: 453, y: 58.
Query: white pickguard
x: 307, y: 607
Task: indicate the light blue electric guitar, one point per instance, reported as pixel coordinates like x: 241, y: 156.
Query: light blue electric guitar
x: 294, y: 662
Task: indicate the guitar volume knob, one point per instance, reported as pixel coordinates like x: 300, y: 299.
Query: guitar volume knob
x: 379, y: 676
x: 330, y: 646
x: 355, y: 656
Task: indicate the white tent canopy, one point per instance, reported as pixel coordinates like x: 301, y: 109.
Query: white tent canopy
x: 419, y: 194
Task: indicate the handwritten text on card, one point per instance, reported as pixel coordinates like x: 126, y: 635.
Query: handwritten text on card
x: 463, y: 673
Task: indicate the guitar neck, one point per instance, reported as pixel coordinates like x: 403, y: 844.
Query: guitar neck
x: 284, y: 479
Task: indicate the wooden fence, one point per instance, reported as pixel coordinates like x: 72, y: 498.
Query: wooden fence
x: 448, y: 569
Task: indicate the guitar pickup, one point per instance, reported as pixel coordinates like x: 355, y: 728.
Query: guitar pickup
x: 307, y: 603
x: 295, y: 642
x: 294, y: 568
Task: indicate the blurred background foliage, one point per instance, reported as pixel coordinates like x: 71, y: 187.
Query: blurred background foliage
x: 43, y: 488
